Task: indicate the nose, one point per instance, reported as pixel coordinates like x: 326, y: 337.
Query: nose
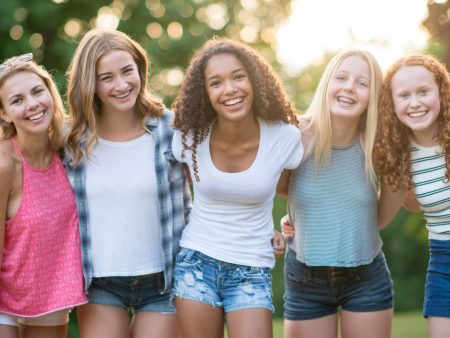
x: 229, y: 87
x: 349, y: 85
x: 32, y: 103
x: 120, y: 84
x: 415, y: 102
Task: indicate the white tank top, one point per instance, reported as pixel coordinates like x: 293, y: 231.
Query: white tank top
x: 122, y: 199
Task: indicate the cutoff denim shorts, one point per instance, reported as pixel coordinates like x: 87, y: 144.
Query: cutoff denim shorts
x: 437, y: 286
x: 135, y: 293
x: 201, y: 278
x: 317, y: 291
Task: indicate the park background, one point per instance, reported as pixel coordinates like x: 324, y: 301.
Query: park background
x: 293, y: 38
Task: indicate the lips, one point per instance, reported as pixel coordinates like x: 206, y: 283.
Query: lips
x: 346, y: 100
x: 36, y: 116
x: 233, y: 101
x: 417, y: 114
x: 122, y: 95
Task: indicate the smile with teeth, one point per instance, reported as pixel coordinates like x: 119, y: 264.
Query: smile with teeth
x: 35, y: 116
x: 233, y: 101
x: 123, y: 95
x: 417, y: 114
x: 345, y: 99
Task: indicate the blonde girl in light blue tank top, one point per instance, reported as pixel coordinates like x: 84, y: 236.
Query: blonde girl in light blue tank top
x: 334, y: 261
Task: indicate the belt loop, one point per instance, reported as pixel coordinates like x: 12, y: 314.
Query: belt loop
x: 308, y: 272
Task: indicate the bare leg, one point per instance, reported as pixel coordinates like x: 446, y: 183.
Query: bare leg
x: 44, y: 331
x: 198, y: 320
x: 103, y: 321
x: 155, y: 325
x: 324, y: 327
x: 250, y: 323
x: 376, y: 324
x: 9, y: 331
x: 439, y: 327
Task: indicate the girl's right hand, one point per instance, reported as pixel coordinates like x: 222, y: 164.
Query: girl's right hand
x: 287, y: 229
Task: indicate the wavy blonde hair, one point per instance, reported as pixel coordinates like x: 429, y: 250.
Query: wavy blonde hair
x: 15, y: 65
x: 318, y: 114
x: 392, y: 144
x: 85, y: 106
x: 193, y: 109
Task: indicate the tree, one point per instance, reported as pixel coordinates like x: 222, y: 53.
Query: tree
x: 438, y: 25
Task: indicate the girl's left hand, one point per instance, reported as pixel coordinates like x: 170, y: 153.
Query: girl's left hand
x: 278, y: 243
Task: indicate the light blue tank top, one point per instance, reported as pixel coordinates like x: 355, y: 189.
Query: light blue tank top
x: 334, y: 211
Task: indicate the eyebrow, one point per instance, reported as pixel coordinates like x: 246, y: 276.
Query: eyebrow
x: 21, y: 94
x: 233, y: 71
x: 123, y: 68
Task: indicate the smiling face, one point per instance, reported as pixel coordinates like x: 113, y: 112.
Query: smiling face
x: 349, y: 88
x: 229, y: 88
x: 118, y: 83
x: 27, y: 102
x: 415, y: 94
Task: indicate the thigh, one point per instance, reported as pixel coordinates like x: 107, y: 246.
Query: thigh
x: 438, y: 327
x: 324, y: 327
x: 199, y: 319
x: 437, y: 286
x: 155, y: 325
x: 375, y: 324
x: 305, y: 297
x: 195, y: 278
x: 102, y: 321
x: 9, y: 331
x: 44, y: 331
x: 370, y: 289
x: 245, y: 287
x: 250, y: 323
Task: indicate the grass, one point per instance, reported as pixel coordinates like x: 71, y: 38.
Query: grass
x: 410, y: 325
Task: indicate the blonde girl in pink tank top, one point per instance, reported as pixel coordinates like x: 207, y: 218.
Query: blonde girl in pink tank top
x: 40, y: 274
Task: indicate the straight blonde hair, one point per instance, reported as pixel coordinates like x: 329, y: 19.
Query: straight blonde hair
x: 318, y: 114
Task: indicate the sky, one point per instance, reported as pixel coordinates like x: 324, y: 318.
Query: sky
x: 387, y: 28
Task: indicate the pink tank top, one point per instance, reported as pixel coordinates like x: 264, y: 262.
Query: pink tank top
x: 41, y: 265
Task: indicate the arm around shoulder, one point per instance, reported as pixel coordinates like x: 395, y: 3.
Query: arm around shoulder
x: 389, y: 204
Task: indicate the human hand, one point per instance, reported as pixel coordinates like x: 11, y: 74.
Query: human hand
x: 278, y: 244
x: 287, y: 230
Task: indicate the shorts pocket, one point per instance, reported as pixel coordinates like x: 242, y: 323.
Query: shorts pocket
x: 294, y: 270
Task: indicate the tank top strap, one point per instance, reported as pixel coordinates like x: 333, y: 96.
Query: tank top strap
x: 16, y: 148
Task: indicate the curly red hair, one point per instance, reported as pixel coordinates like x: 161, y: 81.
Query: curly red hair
x: 392, y: 143
x: 193, y: 110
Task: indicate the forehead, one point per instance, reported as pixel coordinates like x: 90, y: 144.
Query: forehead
x: 225, y: 62
x: 114, y: 59
x: 413, y: 75
x: 354, y: 64
x: 22, y: 81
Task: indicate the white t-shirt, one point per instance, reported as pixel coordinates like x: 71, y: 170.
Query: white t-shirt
x: 122, y: 199
x: 231, y: 218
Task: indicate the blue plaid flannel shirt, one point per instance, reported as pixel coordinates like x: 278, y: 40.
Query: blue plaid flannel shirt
x: 173, y: 192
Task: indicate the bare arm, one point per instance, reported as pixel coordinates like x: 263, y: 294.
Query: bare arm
x: 283, y: 183
x: 6, y: 179
x: 411, y: 203
x: 389, y: 204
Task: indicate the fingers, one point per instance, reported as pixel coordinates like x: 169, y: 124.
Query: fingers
x: 278, y: 243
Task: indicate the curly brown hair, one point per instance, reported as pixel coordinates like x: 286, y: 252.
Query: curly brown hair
x: 193, y: 110
x: 392, y: 144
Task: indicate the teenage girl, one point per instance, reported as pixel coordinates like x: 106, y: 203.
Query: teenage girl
x: 40, y: 276
x: 236, y: 132
x: 412, y: 153
x: 335, y: 272
x: 132, y: 196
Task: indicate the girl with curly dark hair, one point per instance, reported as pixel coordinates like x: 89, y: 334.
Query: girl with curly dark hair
x: 412, y: 153
x: 237, y: 133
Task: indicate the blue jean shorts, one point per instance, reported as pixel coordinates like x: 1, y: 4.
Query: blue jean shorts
x: 318, y: 291
x: 201, y: 278
x: 437, y: 286
x: 135, y: 293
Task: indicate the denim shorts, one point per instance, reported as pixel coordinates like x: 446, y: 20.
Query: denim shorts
x: 57, y: 318
x: 201, y: 278
x: 136, y: 293
x: 437, y: 286
x: 318, y: 291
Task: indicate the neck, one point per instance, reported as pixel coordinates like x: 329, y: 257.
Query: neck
x: 236, y: 132
x: 35, y: 149
x: 344, y: 132
x: 119, y: 127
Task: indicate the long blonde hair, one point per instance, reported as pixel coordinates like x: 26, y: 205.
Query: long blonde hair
x: 84, y: 104
x: 318, y: 114
x: 15, y: 65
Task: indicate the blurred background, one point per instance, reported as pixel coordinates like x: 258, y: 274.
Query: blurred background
x: 297, y: 37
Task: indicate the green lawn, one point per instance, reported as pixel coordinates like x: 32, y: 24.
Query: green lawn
x: 406, y: 325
